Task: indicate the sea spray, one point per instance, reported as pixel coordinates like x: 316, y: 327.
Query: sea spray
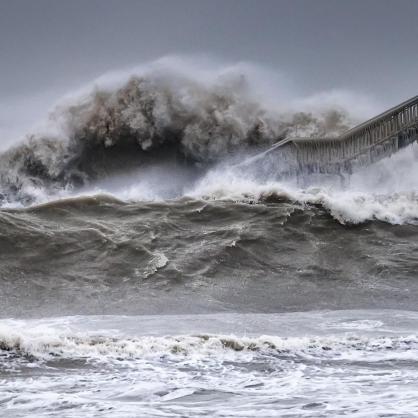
x: 166, y: 110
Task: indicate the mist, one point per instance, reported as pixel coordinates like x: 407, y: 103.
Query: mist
x: 50, y: 48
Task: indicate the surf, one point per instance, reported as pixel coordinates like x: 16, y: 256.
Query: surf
x: 166, y: 109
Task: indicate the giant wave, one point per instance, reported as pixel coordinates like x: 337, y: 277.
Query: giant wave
x: 171, y: 130
x: 159, y: 113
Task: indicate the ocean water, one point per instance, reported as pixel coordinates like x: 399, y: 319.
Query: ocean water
x: 150, y: 266
x: 334, y: 363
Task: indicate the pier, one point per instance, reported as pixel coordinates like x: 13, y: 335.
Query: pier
x: 371, y: 141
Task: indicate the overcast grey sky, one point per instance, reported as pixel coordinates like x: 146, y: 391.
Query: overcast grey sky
x: 370, y: 46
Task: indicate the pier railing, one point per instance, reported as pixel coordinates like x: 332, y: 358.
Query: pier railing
x: 366, y: 143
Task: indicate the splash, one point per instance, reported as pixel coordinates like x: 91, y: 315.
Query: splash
x: 174, y: 128
x: 44, y: 343
x: 168, y: 111
x: 386, y: 191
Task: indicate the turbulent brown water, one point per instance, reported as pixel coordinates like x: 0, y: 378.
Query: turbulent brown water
x: 150, y: 266
x: 98, y: 255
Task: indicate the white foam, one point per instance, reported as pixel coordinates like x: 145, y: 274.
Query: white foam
x: 49, y: 341
x: 78, y: 366
x: 387, y: 191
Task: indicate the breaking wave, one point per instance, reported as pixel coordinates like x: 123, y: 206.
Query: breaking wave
x: 71, y: 366
x: 47, y: 344
x: 165, y: 112
x: 171, y: 129
x: 386, y: 191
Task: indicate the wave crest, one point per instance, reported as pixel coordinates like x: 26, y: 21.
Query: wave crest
x: 49, y: 345
x: 153, y: 116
